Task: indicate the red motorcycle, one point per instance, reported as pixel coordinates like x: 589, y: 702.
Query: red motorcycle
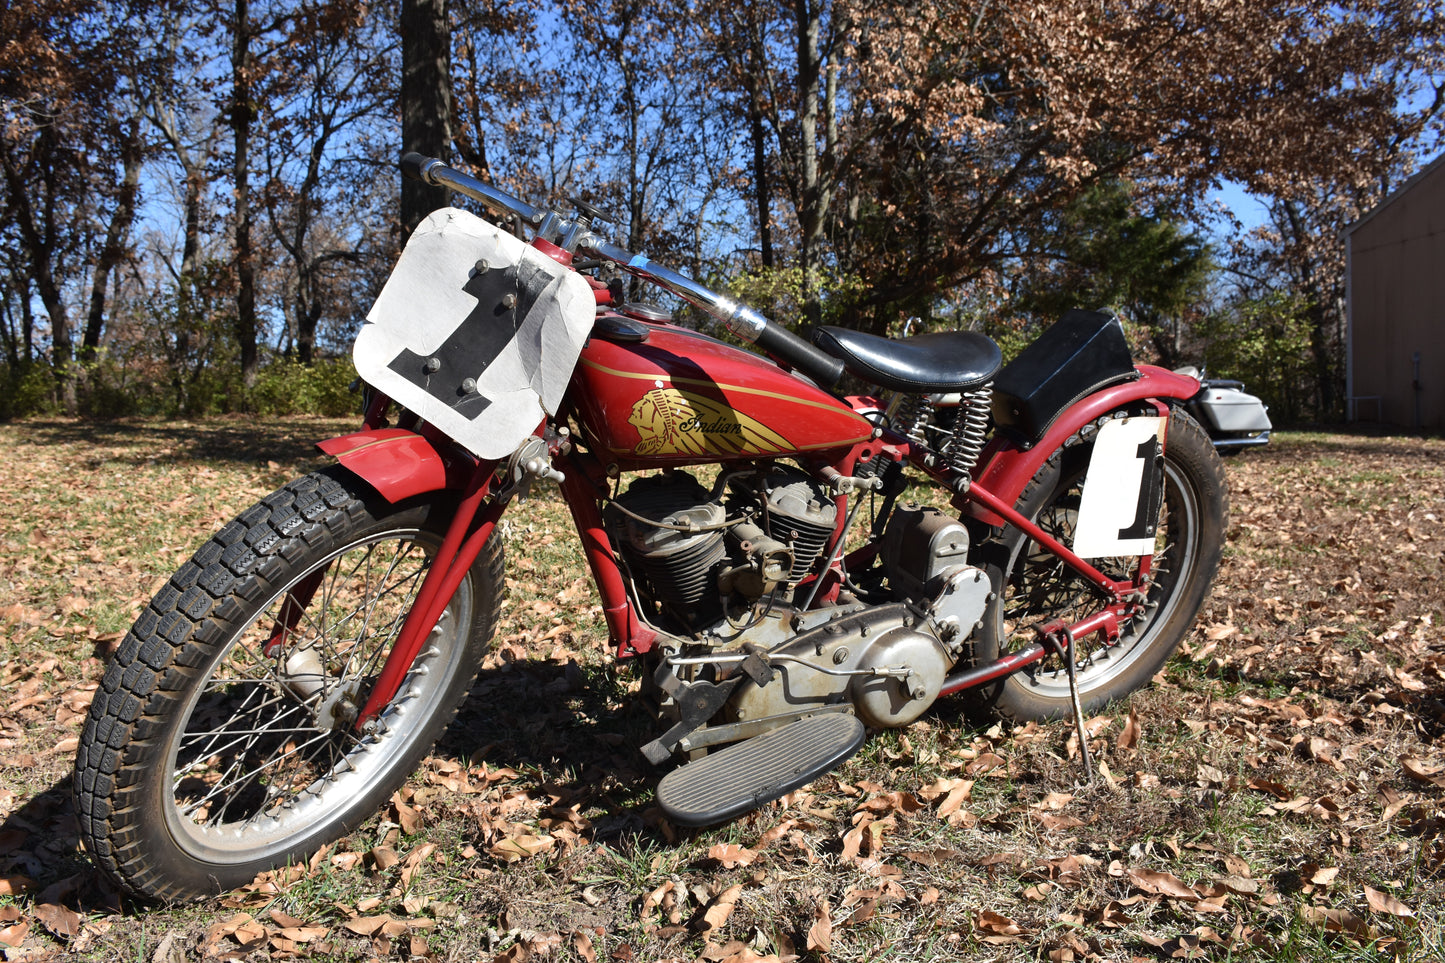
x: 291, y: 675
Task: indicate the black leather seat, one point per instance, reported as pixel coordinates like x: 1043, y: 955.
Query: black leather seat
x: 925, y: 364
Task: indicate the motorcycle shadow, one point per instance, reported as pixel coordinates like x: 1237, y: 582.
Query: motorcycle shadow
x: 41, y: 858
x: 571, y: 733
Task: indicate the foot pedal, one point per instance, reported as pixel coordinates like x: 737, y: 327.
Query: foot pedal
x: 743, y: 776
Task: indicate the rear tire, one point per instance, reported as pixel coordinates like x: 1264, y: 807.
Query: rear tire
x: 1034, y: 587
x: 206, y: 759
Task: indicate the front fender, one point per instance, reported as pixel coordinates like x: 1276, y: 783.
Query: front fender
x: 1011, y: 467
x: 396, y: 462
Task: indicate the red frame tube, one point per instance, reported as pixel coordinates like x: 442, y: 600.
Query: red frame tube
x: 579, y: 491
x: 1110, y: 588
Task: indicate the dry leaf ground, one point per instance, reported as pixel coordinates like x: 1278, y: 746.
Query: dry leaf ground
x: 1275, y: 795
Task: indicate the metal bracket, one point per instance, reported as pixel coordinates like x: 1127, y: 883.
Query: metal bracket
x: 697, y: 702
x: 531, y: 460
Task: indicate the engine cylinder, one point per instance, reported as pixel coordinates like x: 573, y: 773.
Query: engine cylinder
x: 798, y: 511
x: 678, y: 547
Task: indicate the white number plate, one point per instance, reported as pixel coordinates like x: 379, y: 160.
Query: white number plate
x: 1120, y: 504
x: 476, y: 332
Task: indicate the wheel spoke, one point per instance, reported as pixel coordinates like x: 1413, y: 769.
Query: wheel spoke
x: 255, y: 757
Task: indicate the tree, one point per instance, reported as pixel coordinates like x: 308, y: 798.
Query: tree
x: 1103, y: 252
x: 72, y: 73
x: 922, y: 147
x: 333, y: 90
x: 426, y: 103
x: 1297, y: 256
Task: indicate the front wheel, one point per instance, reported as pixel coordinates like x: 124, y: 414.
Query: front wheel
x: 221, y: 742
x: 1035, y: 587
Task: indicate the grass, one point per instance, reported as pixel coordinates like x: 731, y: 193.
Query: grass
x: 1268, y: 776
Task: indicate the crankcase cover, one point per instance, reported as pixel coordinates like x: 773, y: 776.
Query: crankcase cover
x: 888, y: 701
x: 810, y: 668
x: 833, y: 663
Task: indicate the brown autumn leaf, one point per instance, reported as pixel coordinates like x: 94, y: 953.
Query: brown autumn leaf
x: 61, y: 921
x: 999, y: 928
x: 407, y: 817
x: 1129, y: 735
x: 1162, y: 884
x: 368, y: 925
x: 776, y: 833
x: 1207, y: 775
x: 731, y: 855
x: 1276, y: 789
x: 15, y: 934
x: 303, y: 934
x: 721, y: 909
x: 1058, y: 822
x: 656, y: 898
x: 384, y: 858
x: 891, y: 802
x: 413, y: 861
x: 820, y: 934
x: 1112, y: 915
x: 1385, y: 903
x: 582, y: 945
x: 1338, y: 921
x: 515, y: 848
x: 986, y: 762
x: 1423, y: 771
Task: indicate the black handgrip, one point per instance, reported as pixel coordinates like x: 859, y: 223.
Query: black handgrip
x: 778, y: 341
x: 414, y: 165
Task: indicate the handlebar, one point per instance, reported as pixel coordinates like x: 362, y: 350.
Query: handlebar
x: 740, y: 319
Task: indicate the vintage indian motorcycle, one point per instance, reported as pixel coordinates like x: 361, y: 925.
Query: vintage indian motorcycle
x: 291, y: 675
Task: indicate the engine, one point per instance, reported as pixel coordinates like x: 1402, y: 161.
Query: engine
x: 692, y: 551
x: 722, y: 567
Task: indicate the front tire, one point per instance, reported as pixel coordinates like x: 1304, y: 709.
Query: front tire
x: 219, y: 744
x: 1034, y: 587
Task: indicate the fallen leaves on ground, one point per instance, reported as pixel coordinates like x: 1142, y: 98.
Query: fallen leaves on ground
x: 1283, y: 782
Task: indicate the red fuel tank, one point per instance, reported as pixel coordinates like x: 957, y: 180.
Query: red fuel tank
x: 682, y: 397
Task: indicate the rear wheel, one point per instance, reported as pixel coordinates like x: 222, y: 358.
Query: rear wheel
x: 221, y: 742
x: 1035, y: 587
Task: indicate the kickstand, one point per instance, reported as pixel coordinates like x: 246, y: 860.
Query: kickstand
x: 1078, y: 707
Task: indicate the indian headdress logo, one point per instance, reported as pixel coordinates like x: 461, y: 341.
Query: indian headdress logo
x: 673, y: 422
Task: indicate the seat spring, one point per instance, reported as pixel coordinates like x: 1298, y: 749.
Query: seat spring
x: 970, y: 430
x: 913, y: 416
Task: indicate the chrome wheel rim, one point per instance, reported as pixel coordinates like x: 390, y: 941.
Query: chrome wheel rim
x: 256, y: 765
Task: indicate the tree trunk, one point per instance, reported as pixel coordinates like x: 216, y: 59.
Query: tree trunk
x: 762, y: 190
x: 426, y: 101
x: 40, y: 249
x: 242, y: 114
x: 810, y: 215
x: 116, y: 236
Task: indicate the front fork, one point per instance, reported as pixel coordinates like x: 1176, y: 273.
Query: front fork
x: 468, y: 531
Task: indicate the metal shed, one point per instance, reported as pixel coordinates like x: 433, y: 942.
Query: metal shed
x: 1395, y: 294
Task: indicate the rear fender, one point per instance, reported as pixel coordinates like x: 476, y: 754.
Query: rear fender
x: 396, y: 462
x: 1011, y: 467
